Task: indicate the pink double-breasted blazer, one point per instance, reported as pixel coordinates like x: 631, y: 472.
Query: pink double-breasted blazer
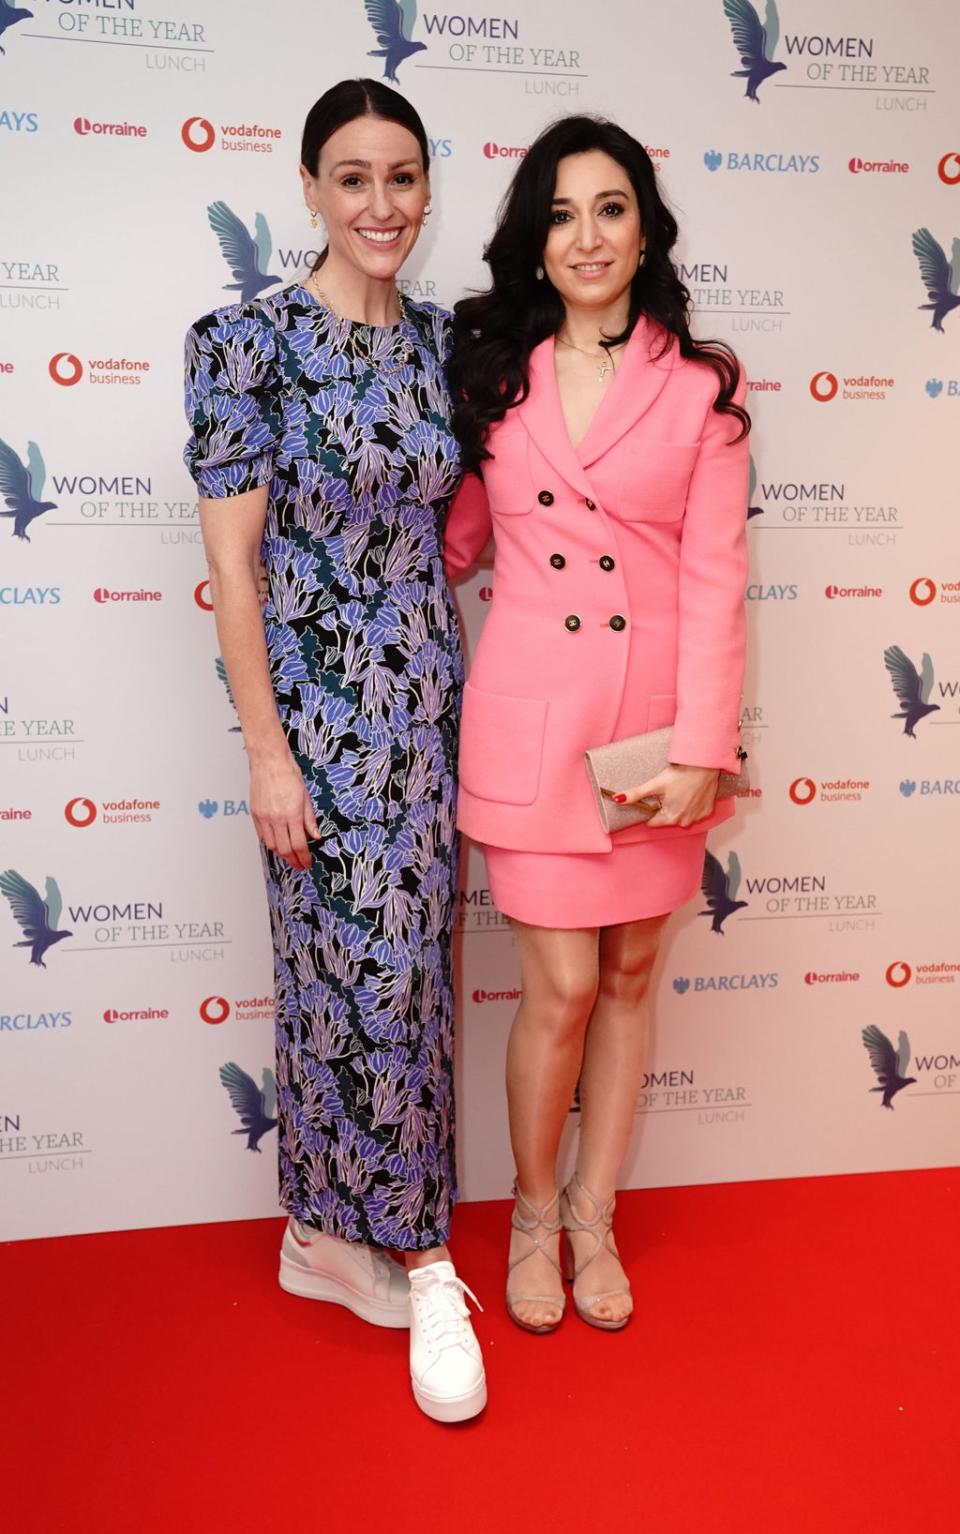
x: 618, y: 596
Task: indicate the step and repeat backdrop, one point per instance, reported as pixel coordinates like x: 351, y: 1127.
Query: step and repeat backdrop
x: 811, y: 150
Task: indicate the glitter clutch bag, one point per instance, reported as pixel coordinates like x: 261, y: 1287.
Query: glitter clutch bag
x: 623, y: 764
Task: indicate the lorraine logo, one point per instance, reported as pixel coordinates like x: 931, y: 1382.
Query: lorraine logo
x: 199, y: 134
x: 65, y: 368
x: 803, y: 791
x: 247, y: 255
x: 222, y: 674
x: 36, y: 916
x: 392, y: 22
x: 753, y: 511
x: 889, y: 1064
x: 720, y: 890
x: 911, y: 686
x: 940, y: 277
x: 9, y: 16
x: 255, y: 1106
x: 21, y: 486
x: 755, y: 42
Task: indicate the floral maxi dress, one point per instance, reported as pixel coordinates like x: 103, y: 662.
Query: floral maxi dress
x: 349, y: 427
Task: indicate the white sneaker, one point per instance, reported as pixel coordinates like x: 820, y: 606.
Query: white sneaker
x: 446, y: 1367
x: 364, y: 1279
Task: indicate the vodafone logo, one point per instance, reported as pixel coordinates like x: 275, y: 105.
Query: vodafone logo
x: 80, y: 812
x: 923, y: 592
x: 823, y: 387
x: 65, y: 369
x: 199, y: 134
x: 803, y: 790
x: 201, y: 595
x: 949, y: 169
x: 898, y: 975
x: 215, y: 1009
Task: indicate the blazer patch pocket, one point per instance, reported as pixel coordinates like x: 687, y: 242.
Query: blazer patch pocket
x: 501, y: 745
x: 656, y: 477
x: 507, y: 474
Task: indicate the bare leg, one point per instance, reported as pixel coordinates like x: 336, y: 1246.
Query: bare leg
x: 544, y: 1056
x: 420, y: 1259
x: 613, y: 1061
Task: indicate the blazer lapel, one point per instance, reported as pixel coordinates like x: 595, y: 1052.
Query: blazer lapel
x: 640, y: 379
x: 543, y: 418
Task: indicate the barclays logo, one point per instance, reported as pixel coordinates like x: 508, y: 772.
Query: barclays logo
x: 17, y: 122
x: 908, y: 787
x: 21, y: 486
x: 752, y: 982
x: 756, y: 43
x: 772, y: 163
x: 209, y: 808
x: 247, y: 255
x: 940, y: 277
x: 757, y: 592
x: 937, y: 787
x: 29, y: 596
x: 934, y: 387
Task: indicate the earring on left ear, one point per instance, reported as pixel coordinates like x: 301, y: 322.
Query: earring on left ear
x: 313, y: 218
x: 426, y: 212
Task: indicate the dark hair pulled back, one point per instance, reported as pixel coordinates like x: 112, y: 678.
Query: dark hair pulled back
x: 495, y: 331
x: 346, y: 101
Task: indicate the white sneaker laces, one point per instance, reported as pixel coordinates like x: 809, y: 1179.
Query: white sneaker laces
x: 446, y: 1311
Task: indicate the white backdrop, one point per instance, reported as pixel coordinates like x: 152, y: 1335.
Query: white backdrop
x: 123, y: 778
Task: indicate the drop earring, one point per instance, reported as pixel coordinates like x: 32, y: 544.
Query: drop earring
x: 427, y: 211
x: 539, y: 273
x: 313, y: 218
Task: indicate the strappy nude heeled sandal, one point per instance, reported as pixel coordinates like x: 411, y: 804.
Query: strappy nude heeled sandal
x: 529, y: 1219
x: 599, y: 1225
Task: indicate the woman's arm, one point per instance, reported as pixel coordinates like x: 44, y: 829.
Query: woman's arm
x: 469, y: 529
x: 279, y: 803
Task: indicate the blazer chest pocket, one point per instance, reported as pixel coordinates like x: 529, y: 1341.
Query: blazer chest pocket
x: 655, y: 480
x: 507, y: 474
x: 501, y: 745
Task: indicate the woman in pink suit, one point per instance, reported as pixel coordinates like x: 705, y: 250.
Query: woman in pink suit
x: 612, y: 457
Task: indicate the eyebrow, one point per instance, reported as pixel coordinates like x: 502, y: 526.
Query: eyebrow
x: 614, y: 192
x: 365, y: 164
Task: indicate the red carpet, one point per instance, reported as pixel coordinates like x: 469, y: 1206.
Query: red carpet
x: 793, y: 1366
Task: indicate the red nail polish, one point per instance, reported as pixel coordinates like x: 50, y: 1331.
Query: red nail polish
x: 620, y: 798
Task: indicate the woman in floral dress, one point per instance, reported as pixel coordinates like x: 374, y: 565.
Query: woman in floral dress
x: 321, y: 444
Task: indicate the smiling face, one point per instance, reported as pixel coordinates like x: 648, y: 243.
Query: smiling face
x: 371, y: 190
x: 595, y: 241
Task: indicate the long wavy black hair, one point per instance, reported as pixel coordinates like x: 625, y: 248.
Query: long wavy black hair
x: 343, y: 103
x: 495, y: 331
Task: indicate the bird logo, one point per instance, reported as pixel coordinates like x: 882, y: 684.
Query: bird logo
x: 246, y: 256
x: 940, y: 277
x: 256, y: 1107
x: 753, y: 511
x: 888, y: 1063
x: 755, y: 44
x: 222, y: 674
x: 911, y: 686
x: 720, y: 890
x: 392, y: 22
x: 10, y: 15
x: 36, y: 916
x: 21, y: 485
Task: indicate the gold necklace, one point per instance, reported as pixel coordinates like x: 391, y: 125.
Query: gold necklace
x: 603, y: 368
x: 388, y: 362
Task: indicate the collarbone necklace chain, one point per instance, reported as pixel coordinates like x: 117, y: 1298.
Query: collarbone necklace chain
x: 604, y: 364
x: 392, y: 356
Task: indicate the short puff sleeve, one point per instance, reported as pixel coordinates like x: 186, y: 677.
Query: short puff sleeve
x: 231, y: 402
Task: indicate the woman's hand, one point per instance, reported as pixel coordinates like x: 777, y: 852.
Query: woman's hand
x: 281, y: 809
x: 686, y: 794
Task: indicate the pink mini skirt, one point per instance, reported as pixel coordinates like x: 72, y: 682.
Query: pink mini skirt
x: 634, y: 881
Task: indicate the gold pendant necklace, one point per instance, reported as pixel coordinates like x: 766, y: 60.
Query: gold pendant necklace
x: 388, y: 362
x: 603, y: 368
